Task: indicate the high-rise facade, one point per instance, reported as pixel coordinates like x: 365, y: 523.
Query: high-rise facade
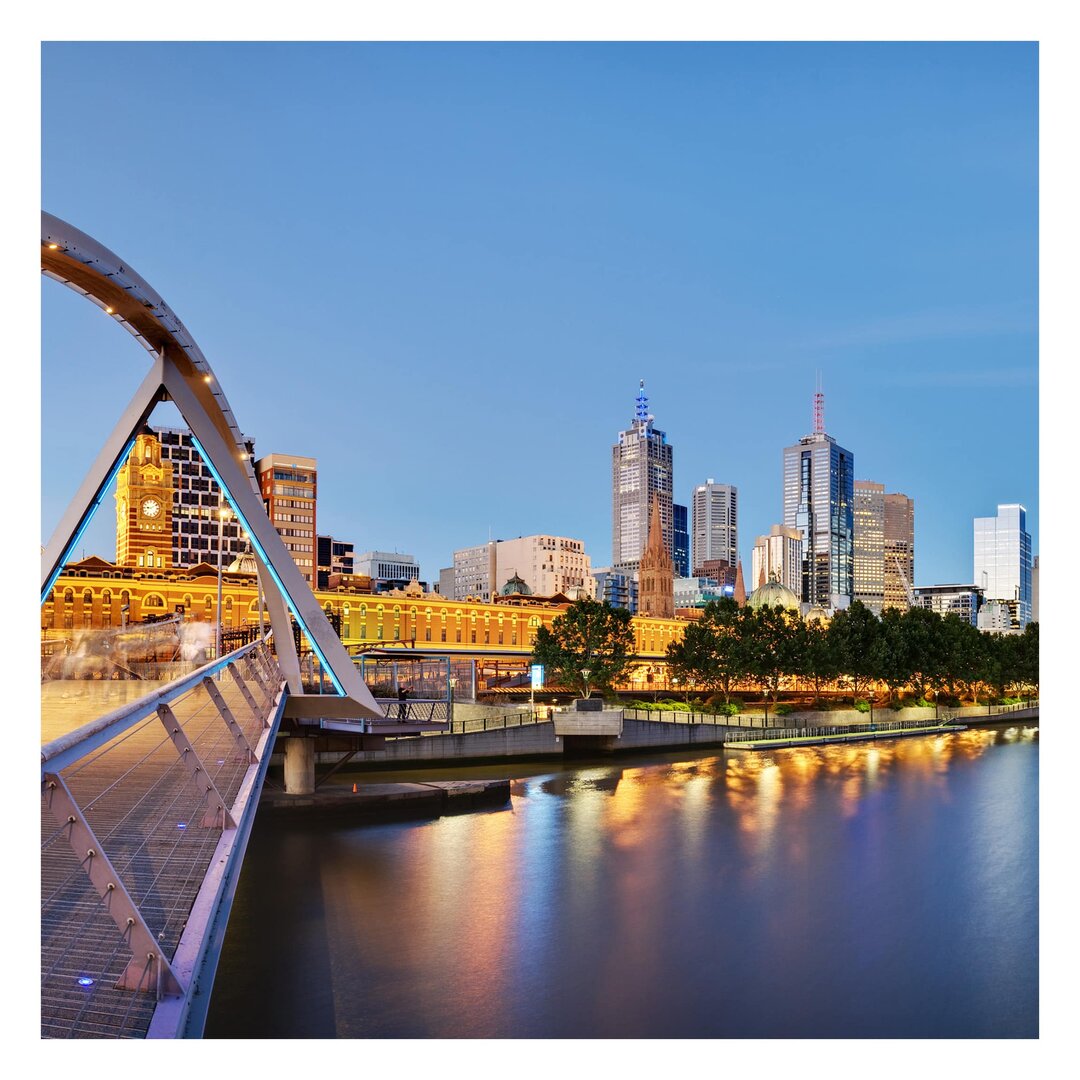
x: 869, y: 544
x: 884, y: 547
x: 899, y: 550
x: 715, y: 525
x: 681, y: 554
x: 1003, y: 560
x: 288, y: 484
x: 779, y: 555
x: 819, y: 501
x: 198, y: 535
x: 641, y: 473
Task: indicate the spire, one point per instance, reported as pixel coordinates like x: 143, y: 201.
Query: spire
x: 655, y: 542
x: 819, y: 408
x: 642, y: 412
x: 740, y: 586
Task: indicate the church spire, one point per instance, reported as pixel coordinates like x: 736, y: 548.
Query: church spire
x: 740, y: 586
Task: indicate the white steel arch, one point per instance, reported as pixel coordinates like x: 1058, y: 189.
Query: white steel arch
x: 180, y: 373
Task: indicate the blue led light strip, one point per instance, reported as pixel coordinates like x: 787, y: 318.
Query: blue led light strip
x: 46, y: 592
x: 269, y: 566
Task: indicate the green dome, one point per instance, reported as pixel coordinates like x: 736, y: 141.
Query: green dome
x: 817, y: 614
x: 773, y: 594
x: 516, y: 587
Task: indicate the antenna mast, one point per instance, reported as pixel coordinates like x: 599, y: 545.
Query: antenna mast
x: 819, y: 408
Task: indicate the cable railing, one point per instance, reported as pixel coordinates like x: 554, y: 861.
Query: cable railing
x: 145, y: 816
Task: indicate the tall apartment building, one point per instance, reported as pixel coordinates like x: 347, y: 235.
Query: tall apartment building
x: 715, y: 527
x: 641, y: 472
x: 1003, y: 560
x: 779, y: 554
x: 332, y: 557
x: 288, y: 484
x: 1035, y: 590
x: 819, y: 498
x: 197, y: 533
x: 547, y: 564
x: 681, y: 552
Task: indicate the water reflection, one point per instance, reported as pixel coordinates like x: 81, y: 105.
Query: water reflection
x: 820, y: 891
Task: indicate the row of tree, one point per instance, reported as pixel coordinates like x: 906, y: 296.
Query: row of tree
x: 590, y: 646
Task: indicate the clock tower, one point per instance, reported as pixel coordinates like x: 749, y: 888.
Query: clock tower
x: 144, y: 500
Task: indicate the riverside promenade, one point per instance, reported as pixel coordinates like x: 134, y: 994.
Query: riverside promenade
x: 523, y: 735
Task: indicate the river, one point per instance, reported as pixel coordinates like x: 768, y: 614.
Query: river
x: 875, y: 890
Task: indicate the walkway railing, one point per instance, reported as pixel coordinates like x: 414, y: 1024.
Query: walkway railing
x: 845, y: 729
x: 145, y: 816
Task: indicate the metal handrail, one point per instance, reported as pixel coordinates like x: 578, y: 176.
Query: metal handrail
x: 68, y: 748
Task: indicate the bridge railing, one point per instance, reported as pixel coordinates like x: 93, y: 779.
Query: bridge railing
x: 144, y: 820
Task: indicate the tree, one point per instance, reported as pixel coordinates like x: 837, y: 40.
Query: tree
x: 711, y: 652
x: 961, y: 654
x: 772, y: 647
x: 819, y: 660
x: 892, y: 657
x: 854, y: 633
x: 588, y: 636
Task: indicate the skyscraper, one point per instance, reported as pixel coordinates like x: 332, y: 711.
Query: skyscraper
x: 641, y: 472
x: 884, y: 547
x: 899, y: 550
x: 1003, y: 560
x: 715, y: 525
x: 681, y: 554
x: 819, y: 477
x: 779, y: 555
x: 869, y: 544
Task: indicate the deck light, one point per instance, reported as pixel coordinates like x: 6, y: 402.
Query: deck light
x: 85, y: 980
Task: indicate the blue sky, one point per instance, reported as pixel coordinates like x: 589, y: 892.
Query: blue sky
x: 442, y: 269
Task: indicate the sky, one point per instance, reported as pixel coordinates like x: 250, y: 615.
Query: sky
x: 441, y: 270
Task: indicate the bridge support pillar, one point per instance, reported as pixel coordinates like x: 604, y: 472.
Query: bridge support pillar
x: 299, y: 765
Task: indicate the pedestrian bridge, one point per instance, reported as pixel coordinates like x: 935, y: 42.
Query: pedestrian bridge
x: 147, y: 804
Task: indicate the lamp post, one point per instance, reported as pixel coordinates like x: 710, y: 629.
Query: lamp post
x: 223, y: 513
x: 585, y: 672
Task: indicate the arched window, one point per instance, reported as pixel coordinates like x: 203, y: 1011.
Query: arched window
x: 69, y: 600
x: 87, y: 609
x: 106, y: 608
x: 153, y: 600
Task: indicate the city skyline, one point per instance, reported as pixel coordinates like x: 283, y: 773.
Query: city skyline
x: 425, y: 428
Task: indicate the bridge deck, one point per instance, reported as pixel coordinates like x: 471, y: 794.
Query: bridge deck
x: 140, y: 799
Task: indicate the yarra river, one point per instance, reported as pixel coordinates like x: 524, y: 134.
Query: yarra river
x: 884, y: 890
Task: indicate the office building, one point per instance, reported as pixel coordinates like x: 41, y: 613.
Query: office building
x: 696, y: 592
x: 1035, y: 590
x: 715, y: 526
x: 1003, y: 560
x: 884, y: 547
x: 334, y: 557
x: 288, y: 486
x: 198, y: 535
x: 779, y: 555
x: 549, y: 565
x: 962, y: 600
x: 819, y: 498
x: 899, y: 550
x: 681, y: 553
x: 641, y: 474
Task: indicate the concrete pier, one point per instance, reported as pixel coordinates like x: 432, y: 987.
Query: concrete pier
x: 390, y: 802
x: 299, y: 765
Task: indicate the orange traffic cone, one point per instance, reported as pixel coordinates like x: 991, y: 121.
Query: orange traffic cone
x: 354, y: 789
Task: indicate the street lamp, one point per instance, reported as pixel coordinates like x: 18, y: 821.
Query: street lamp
x: 223, y: 513
x: 585, y: 672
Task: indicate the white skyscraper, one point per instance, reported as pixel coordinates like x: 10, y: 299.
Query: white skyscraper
x: 1003, y: 560
x: 714, y: 529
